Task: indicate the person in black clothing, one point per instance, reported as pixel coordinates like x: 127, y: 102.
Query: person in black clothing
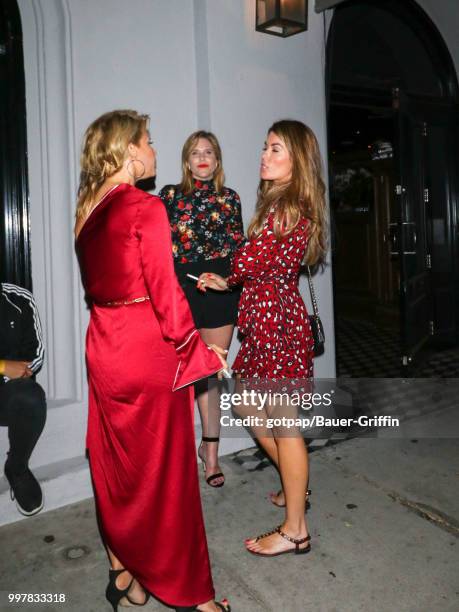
x: 22, y: 400
x: 206, y: 226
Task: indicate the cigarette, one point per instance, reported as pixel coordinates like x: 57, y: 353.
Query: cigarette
x: 226, y: 373
x: 193, y: 277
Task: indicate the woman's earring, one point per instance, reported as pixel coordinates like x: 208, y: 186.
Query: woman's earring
x: 143, y: 168
x: 135, y: 176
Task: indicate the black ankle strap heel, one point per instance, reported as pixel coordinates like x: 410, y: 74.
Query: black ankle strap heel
x: 113, y: 594
x: 210, y: 479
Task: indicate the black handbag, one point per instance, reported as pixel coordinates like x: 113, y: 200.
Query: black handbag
x: 317, y: 328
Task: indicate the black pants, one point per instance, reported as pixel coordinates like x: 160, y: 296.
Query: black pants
x: 23, y: 411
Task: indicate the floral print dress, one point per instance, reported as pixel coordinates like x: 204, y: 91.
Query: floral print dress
x: 272, y: 316
x: 204, y: 224
x: 206, y: 229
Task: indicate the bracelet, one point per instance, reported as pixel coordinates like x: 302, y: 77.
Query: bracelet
x: 2, y: 366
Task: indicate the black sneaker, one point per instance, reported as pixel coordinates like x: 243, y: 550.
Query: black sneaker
x: 26, y: 490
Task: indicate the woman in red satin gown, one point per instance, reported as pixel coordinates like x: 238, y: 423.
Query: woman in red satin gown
x: 276, y: 353
x: 143, y: 354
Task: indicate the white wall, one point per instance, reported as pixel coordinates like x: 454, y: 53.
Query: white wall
x: 137, y: 54
x: 200, y: 64
x: 189, y: 64
x: 256, y: 79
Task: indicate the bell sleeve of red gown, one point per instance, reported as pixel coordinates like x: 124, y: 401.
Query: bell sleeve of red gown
x: 195, y: 359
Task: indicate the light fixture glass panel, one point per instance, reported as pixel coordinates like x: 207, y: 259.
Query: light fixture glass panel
x: 275, y: 29
x: 293, y: 9
x: 282, y: 17
x: 266, y: 10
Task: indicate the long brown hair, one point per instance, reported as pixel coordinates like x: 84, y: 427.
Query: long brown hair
x: 186, y: 184
x: 302, y: 197
x: 104, y: 151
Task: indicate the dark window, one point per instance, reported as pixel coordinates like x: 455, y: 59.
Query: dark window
x: 15, y: 266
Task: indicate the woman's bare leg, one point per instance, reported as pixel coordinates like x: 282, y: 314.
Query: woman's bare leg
x: 269, y: 443
x: 262, y: 435
x: 287, y: 450
x: 210, y: 411
x: 293, y: 468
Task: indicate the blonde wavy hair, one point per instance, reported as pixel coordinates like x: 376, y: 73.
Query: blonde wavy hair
x: 186, y: 184
x: 303, y: 197
x: 104, y: 151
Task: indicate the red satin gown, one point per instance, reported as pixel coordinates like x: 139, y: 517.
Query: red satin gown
x: 141, y: 359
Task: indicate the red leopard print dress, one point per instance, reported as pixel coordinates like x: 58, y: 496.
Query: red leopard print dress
x: 272, y: 316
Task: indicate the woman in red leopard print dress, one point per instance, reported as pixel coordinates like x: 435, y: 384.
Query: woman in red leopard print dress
x: 272, y: 316
x: 288, y: 229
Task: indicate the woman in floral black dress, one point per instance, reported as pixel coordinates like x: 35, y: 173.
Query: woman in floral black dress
x: 206, y: 226
x: 288, y: 229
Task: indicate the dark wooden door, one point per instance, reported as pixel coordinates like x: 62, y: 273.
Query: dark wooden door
x: 441, y: 151
x: 408, y: 227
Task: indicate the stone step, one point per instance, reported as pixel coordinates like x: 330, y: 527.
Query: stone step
x: 68, y: 481
x: 64, y: 435
x: 63, y: 483
x: 62, y: 438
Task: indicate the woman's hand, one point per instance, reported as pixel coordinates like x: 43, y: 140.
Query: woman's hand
x: 221, y: 354
x: 17, y: 369
x: 212, y: 281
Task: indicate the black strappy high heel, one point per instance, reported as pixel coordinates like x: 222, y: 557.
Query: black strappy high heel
x: 113, y: 594
x: 210, y: 480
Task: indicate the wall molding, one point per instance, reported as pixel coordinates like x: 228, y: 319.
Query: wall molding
x: 48, y: 63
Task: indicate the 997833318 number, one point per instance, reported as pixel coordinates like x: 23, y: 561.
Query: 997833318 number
x: 21, y: 598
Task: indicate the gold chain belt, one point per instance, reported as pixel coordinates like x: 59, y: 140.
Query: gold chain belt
x: 144, y: 298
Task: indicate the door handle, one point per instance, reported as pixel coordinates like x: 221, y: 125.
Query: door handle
x: 413, y: 236
x: 393, y: 241
x: 410, y: 237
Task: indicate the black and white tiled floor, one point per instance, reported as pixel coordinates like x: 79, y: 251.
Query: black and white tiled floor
x: 440, y: 364
x: 365, y: 350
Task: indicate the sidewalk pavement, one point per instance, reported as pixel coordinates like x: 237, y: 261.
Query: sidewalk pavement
x: 383, y: 520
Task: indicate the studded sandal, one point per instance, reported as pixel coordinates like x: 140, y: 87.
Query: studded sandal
x: 296, y: 550
x: 113, y: 594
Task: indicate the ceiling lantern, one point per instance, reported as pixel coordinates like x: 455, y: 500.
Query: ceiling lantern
x: 282, y: 17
